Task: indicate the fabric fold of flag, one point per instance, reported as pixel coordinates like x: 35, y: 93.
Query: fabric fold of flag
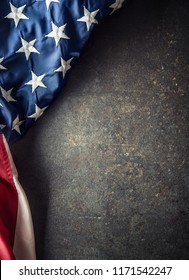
x: 16, y: 228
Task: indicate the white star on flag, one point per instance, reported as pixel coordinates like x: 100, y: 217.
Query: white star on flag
x: 48, y: 2
x: 16, y: 124
x: 89, y: 18
x: 58, y: 33
x: 7, y: 95
x: 38, y: 112
x: 2, y: 126
x: 117, y: 5
x: 1, y: 66
x: 16, y: 14
x: 65, y: 66
x: 36, y: 81
x: 27, y: 48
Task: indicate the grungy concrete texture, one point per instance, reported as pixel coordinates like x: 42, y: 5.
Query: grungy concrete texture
x: 106, y: 169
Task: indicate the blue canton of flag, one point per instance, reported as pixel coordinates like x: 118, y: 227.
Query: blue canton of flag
x: 40, y: 40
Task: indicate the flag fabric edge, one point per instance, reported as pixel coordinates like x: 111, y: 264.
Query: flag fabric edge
x: 16, y: 227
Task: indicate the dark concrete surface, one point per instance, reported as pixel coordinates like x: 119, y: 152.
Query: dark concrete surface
x: 106, y: 168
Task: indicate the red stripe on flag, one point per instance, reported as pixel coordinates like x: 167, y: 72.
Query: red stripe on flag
x: 8, y: 205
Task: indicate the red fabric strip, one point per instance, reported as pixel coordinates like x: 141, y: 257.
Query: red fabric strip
x: 8, y: 205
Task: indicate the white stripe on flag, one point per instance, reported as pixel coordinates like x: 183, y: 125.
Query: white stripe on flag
x: 24, y: 242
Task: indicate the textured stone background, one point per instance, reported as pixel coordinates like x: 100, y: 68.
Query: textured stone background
x: 106, y: 168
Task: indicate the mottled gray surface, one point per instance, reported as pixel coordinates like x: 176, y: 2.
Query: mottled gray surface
x: 106, y: 168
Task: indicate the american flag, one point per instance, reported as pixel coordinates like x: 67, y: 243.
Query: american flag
x: 40, y: 41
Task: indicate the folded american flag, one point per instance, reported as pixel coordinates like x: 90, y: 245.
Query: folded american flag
x: 40, y: 40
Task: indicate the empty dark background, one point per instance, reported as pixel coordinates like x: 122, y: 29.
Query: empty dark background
x: 106, y: 168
